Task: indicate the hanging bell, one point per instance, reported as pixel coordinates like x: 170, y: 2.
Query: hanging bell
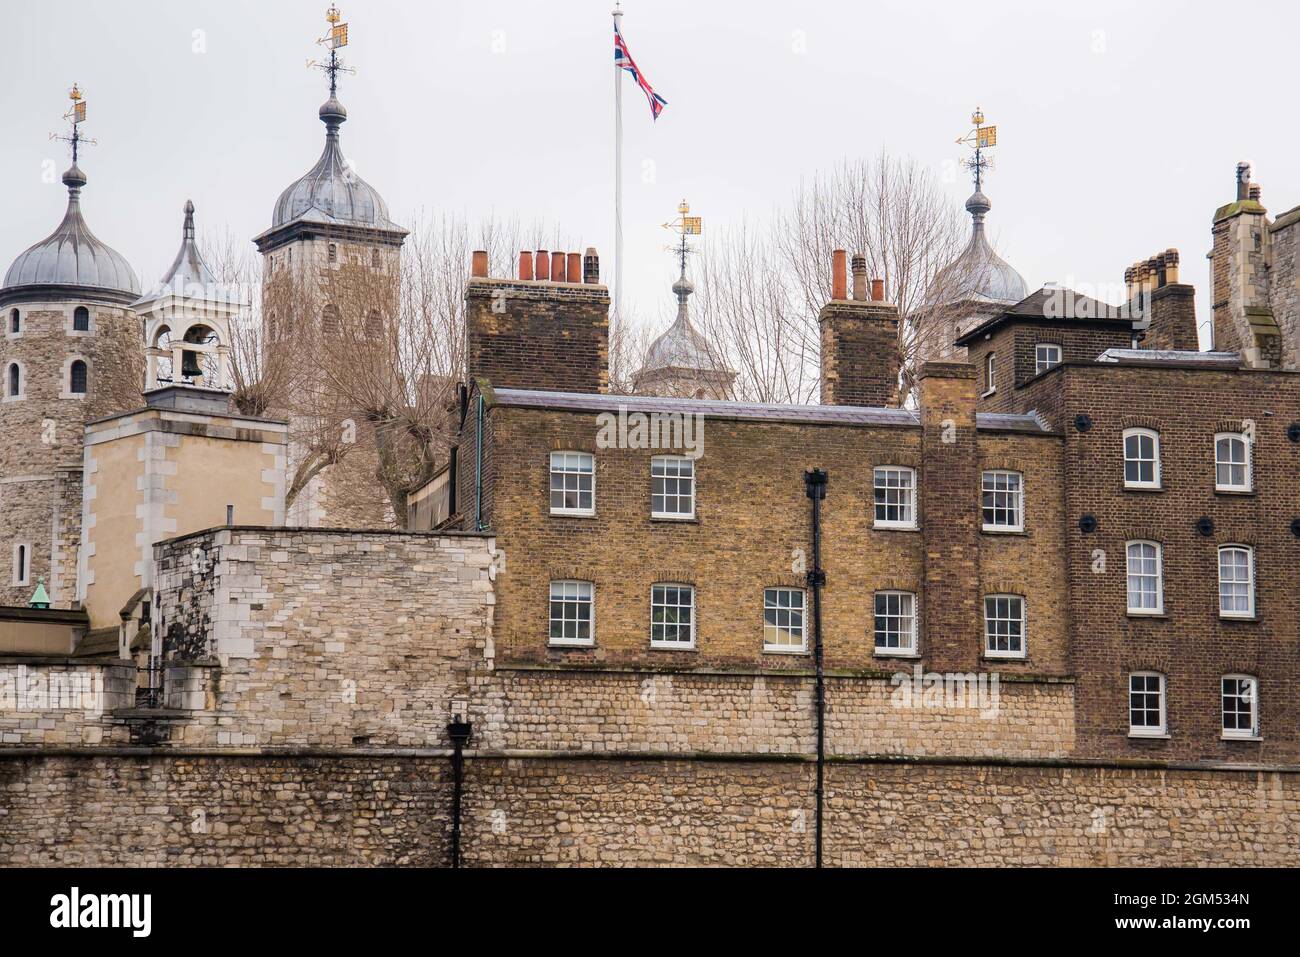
x: 190, y: 365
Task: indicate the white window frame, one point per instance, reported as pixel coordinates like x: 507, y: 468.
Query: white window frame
x: 989, y: 650
x: 675, y: 645
x: 1250, y: 581
x: 664, y: 461
x: 772, y: 608
x: 990, y: 374
x: 1019, y: 498
x: 908, y: 618
x: 552, y: 471
x: 1146, y: 731
x: 1159, y: 608
x: 1251, y: 697
x: 584, y: 593
x: 26, y: 577
x: 1041, y: 365
x: 910, y: 521
x: 1154, y: 460
x: 1249, y: 484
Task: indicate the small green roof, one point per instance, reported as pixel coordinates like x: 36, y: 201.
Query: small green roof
x: 40, y: 598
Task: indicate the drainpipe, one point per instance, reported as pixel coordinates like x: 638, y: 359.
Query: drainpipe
x: 478, y: 468
x: 815, y: 487
x: 458, y: 730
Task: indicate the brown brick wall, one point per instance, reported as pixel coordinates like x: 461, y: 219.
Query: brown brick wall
x: 1191, y: 644
x: 1173, y: 319
x: 537, y: 335
x: 859, y: 354
x: 751, y: 516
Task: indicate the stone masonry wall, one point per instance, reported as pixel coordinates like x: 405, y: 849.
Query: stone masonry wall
x: 365, y: 810
x: 312, y: 636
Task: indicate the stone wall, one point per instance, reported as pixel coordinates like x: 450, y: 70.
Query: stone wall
x: 322, y: 637
x: 381, y: 809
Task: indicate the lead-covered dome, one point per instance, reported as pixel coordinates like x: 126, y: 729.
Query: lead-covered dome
x: 331, y: 192
x: 71, y: 258
x: 978, y: 274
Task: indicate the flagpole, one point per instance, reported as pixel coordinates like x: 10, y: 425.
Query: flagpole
x: 618, y: 176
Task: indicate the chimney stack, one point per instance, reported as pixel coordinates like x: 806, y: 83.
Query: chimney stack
x: 550, y: 338
x: 859, y: 347
x: 1243, y: 181
x: 839, y: 276
x: 479, y: 264
x: 1171, y: 306
x: 591, y: 266
x: 1240, y: 296
x: 860, y: 292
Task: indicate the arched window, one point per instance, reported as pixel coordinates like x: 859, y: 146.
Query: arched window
x: 81, y: 319
x: 1146, y: 591
x: 1141, y: 458
x: 374, y: 325
x: 330, y: 321
x: 77, y: 377
x: 21, y: 574
x: 15, y: 322
x: 374, y: 258
x: 14, y: 381
x: 333, y: 253
x: 1236, y: 581
x: 1231, y: 462
x: 273, y: 328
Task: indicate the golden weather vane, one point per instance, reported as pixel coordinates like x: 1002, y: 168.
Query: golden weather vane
x: 685, y: 225
x: 336, y: 39
x: 981, y: 138
x: 76, y: 115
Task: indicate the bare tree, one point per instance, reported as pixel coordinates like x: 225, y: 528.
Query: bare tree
x: 762, y: 286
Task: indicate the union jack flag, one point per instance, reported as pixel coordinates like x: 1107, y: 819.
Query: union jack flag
x: 624, y: 59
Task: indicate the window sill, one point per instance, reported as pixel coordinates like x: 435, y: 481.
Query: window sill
x: 654, y: 647
x: 987, y: 656
x: 1241, y: 737
x: 985, y: 395
x: 999, y: 530
x: 1247, y: 619
x: 676, y: 519
x: 1143, y: 488
x: 1235, y: 492
x: 555, y: 514
x: 1147, y: 615
x: 884, y: 653
x: 884, y: 527
x: 795, y: 652
x: 571, y: 645
x: 1148, y: 736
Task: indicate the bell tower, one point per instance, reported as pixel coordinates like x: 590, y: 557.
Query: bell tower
x: 331, y: 265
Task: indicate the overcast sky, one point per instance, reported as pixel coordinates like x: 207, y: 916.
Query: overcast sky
x: 1119, y: 123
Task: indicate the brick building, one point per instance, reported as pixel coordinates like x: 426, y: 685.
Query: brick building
x: 1088, y: 500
